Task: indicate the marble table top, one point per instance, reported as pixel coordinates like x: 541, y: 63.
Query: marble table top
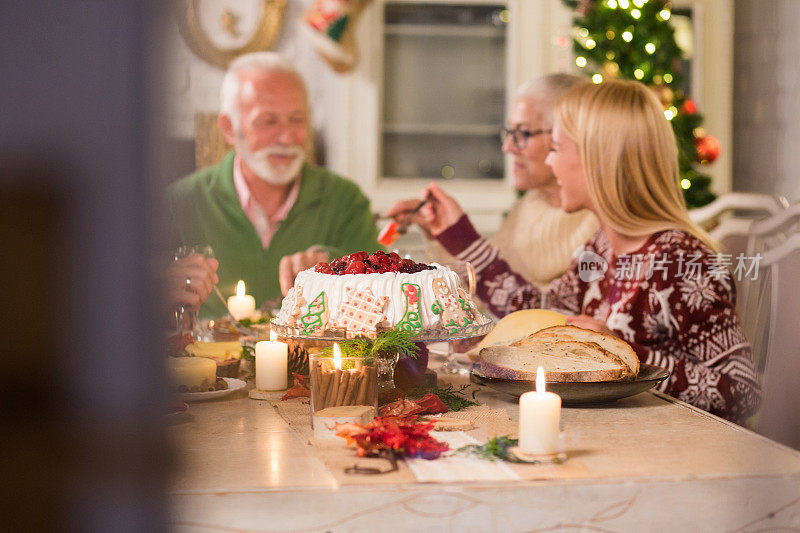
x: 651, y: 463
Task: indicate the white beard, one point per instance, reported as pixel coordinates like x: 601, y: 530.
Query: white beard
x: 259, y: 163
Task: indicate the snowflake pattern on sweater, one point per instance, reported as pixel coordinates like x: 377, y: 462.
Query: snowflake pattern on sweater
x: 675, y: 308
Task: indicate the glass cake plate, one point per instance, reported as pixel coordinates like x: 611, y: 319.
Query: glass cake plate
x: 424, y: 335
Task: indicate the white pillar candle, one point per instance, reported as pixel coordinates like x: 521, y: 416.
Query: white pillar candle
x: 539, y: 414
x: 242, y: 305
x: 272, y: 358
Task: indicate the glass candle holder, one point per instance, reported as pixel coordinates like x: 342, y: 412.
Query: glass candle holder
x: 350, y: 381
x: 385, y: 365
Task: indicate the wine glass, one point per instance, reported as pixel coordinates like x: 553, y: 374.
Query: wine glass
x: 187, y: 320
x: 468, y: 279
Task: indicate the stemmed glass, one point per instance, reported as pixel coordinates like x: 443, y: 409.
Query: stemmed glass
x: 187, y: 320
x: 467, y: 274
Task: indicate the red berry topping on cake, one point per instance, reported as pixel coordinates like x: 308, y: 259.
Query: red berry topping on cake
x: 355, y: 267
x: 365, y: 263
x: 358, y: 256
x: 323, y: 267
x: 338, y: 266
x: 408, y: 266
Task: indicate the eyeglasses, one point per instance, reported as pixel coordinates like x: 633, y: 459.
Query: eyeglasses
x: 519, y: 136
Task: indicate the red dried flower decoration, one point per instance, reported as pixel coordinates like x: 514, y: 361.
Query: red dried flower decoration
x: 299, y: 389
x: 400, y: 436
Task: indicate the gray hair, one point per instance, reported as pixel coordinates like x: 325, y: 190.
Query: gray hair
x: 231, y: 83
x: 547, y: 90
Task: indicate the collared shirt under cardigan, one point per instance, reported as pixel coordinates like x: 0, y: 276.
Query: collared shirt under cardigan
x: 330, y: 211
x: 265, y: 226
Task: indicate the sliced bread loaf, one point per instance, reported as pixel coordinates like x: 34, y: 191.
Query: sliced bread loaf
x: 563, y: 361
x: 609, y: 343
x: 516, y: 326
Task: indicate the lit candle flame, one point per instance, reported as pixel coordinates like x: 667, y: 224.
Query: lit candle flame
x: 540, y: 381
x: 272, y: 336
x: 240, y: 289
x: 337, y: 356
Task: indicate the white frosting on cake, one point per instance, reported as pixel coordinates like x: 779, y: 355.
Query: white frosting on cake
x: 309, y: 284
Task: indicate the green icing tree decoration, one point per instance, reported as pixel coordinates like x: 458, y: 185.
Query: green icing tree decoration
x: 313, y: 319
x: 411, y: 317
x: 336, y: 29
x: 633, y: 39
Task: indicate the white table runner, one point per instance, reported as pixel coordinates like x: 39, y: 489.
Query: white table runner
x: 452, y: 466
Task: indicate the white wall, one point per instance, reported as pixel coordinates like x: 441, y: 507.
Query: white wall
x: 767, y: 98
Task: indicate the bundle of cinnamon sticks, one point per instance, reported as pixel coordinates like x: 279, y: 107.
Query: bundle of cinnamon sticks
x: 331, y: 387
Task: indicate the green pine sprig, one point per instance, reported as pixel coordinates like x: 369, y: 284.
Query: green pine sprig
x: 496, y: 448
x: 387, y: 343
x: 453, y: 398
x: 247, y: 322
x: 248, y: 353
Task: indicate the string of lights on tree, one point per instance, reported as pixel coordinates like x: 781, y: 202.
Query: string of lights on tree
x: 633, y: 39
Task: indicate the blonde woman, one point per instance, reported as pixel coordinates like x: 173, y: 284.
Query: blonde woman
x: 649, y: 275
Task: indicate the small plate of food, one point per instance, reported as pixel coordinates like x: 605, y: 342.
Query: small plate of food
x: 222, y: 387
x: 195, y: 379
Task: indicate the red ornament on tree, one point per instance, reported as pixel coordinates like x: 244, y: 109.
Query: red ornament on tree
x: 689, y: 107
x: 585, y: 7
x: 708, y: 148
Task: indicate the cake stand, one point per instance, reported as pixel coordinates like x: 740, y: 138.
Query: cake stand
x: 424, y: 335
x: 386, y: 364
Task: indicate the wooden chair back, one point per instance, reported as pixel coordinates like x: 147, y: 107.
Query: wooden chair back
x: 210, y: 145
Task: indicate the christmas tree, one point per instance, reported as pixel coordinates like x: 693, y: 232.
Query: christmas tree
x: 633, y: 39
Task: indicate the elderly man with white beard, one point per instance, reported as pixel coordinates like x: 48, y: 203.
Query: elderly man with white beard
x: 265, y: 210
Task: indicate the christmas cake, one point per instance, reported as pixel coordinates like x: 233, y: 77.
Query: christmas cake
x: 361, y: 293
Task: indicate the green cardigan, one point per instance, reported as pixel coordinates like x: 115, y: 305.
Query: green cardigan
x: 330, y: 211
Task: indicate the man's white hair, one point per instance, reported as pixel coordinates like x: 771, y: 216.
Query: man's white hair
x: 545, y: 91
x: 231, y: 83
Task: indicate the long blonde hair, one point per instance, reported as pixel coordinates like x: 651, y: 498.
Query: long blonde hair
x: 629, y: 157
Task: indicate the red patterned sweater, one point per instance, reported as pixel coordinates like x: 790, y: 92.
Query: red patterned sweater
x: 671, y: 300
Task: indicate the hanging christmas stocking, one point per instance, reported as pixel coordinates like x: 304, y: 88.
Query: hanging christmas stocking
x: 411, y: 318
x: 329, y: 25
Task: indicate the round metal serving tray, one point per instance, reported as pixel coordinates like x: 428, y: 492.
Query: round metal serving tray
x: 576, y: 393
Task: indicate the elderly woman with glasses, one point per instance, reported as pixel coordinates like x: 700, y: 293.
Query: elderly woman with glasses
x: 536, y: 222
